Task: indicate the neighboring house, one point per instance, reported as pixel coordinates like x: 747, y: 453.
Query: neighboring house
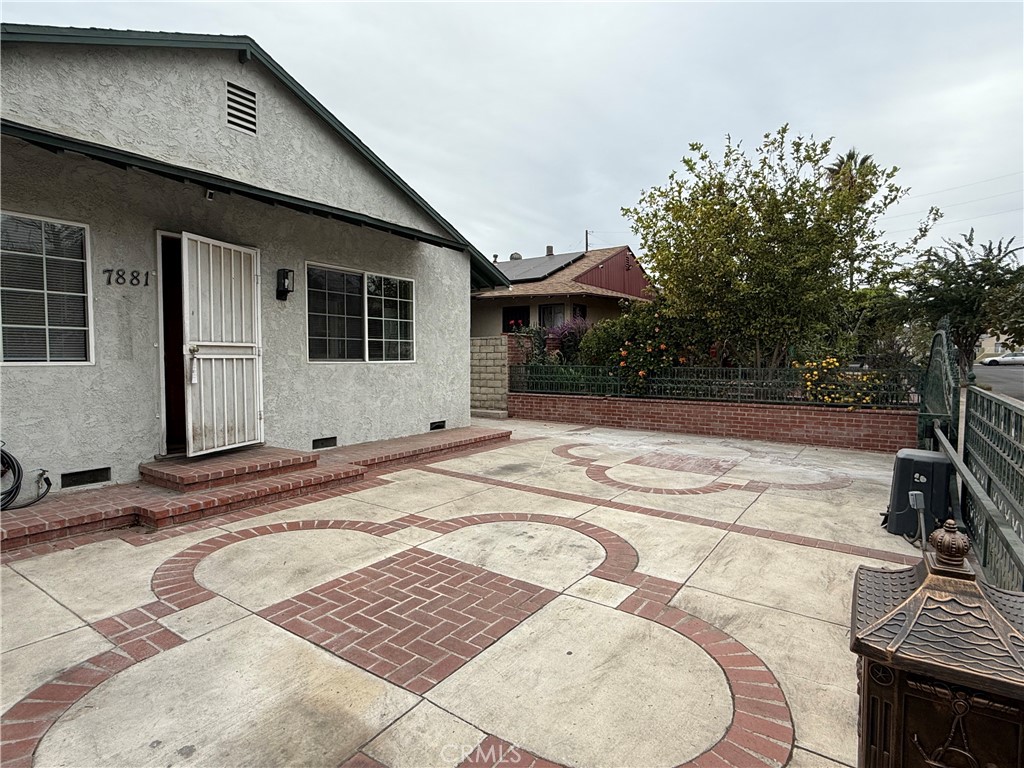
x: 551, y: 289
x: 197, y: 255
x: 990, y: 346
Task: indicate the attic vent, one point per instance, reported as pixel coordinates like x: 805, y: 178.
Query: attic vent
x: 241, y: 109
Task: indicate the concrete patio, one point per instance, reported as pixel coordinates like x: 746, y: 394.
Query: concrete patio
x: 576, y: 596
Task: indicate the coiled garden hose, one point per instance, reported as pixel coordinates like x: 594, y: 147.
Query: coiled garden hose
x: 10, y: 465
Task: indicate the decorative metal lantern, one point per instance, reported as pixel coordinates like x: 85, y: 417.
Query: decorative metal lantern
x: 941, y: 667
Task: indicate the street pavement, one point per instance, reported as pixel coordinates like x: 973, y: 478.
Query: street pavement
x: 1004, y: 380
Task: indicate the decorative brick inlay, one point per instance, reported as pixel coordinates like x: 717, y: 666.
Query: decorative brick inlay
x: 361, y: 760
x: 764, y: 533
x: 682, y: 463
x: 24, y: 725
x: 565, y: 452
x: 762, y: 726
x: 137, y: 636
x: 704, y: 465
x: 599, y: 474
x: 620, y: 557
x: 413, y: 618
x: 137, y: 632
x: 174, y: 581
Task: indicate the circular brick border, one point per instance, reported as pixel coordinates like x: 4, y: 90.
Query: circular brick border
x: 599, y: 473
x: 761, y: 728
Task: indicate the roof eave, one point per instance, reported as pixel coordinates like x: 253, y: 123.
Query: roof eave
x: 482, y: 270
x: 59, y: 143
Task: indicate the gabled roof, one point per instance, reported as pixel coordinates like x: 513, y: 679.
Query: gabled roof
x: 559, y: 281
x: 483, y: 272
x: 525, y: 270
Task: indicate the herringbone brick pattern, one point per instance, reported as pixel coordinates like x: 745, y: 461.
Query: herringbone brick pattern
x: 413, y: 618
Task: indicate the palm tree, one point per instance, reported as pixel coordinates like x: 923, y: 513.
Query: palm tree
x: 849, y: 176
x: 848, y: 168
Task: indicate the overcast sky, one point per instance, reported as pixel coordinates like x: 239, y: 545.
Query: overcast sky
x: 527, y: 124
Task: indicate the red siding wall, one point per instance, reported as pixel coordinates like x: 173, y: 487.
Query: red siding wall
x: 885, y: 431
x: 620, y: 272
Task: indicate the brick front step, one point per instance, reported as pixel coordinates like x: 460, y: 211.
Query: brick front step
x: 157, y: 508
x: 196, y: 505
x: 69, y: 513
x: 187, y: 475
x: 381, y: 453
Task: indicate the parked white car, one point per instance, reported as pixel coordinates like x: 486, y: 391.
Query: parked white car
x: 1007, y: 358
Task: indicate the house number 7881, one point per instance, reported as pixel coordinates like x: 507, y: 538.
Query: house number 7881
x: 124, y: 277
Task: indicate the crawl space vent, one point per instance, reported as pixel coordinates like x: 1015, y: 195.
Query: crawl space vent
x: 242, y: 109
x: 85, y: 477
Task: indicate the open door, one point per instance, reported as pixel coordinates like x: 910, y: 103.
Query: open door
x: 223, y: 371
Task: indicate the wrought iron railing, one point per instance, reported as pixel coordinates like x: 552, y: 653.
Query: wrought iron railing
x: 992, y: 505
x: 871, y: 388
x: 940, y: 390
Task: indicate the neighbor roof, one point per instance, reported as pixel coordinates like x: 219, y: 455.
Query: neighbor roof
x: 525, y: 270
x: 483, y: 272
x: 561, y: 281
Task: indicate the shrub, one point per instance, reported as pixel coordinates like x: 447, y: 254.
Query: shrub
x: 569, y: 335
x: 825, y: 381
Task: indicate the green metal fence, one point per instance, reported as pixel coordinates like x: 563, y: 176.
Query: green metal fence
x: 940, y: 391
x: 874, y: 388
x: 992, y: 506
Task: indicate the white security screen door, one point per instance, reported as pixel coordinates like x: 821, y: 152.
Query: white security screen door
x: 223, y: 381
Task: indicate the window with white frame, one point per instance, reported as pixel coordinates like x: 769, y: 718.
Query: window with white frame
x: 358, y: 316
x: 44, y: 291
x: 550, y: 315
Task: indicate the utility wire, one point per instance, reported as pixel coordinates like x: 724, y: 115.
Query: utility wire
x: 960, y: 221
x: 973, y: 183
x: 953, y: 205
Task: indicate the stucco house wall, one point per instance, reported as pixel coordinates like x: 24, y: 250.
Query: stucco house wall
x: 170, y: 104
x: 73, y: 417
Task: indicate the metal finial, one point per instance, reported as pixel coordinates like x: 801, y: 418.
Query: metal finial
x: 951, y: 546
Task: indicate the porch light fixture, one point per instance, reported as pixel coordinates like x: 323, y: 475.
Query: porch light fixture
x: 285, y: 283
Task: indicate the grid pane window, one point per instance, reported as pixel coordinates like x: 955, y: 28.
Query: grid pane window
x: 340, y: 328
x: 44, y: 292
x: 335, y: 314
x: 389, y: 305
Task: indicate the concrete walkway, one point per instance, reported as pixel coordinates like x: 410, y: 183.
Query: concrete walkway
x: 579, y: 597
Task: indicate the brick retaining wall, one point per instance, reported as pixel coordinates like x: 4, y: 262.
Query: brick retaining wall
x: 866, y: 430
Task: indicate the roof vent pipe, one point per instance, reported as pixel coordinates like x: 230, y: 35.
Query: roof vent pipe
x: 516, y: 256
x: 495, y: 258
x: 551, y: 250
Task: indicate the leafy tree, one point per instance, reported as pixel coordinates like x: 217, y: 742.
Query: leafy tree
x: 973, y: 286
x: 762, y: 250
x: 644, y: 342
